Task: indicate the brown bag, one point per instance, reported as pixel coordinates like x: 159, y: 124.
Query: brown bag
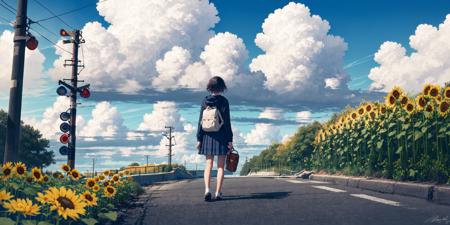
x: 232, y: 160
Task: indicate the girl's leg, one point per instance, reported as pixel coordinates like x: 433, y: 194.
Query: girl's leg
x: 220, y: 172
x: 207, y: 171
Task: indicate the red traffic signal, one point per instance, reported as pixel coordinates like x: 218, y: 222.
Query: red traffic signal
x: 63, y: 32
x: 85, y: 93
x: 32, y: 42
x: 64, y: 138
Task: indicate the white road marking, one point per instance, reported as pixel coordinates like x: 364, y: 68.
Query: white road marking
x: 304, y: 181
x: 329, y: 189
x: 375, y: 199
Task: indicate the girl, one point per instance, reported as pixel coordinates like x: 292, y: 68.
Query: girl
x: 215, y: 142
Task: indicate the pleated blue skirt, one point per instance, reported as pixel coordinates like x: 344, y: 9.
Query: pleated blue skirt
x: 211, y: 146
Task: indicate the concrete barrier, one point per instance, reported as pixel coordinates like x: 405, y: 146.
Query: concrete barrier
x: 423, y: 191
x: 441, y: 195
x: 353, y: 182
x: 377, y: 185
x: 147, y: 179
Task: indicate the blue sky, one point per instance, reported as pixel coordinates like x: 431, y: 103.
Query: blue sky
x: 363, y: 27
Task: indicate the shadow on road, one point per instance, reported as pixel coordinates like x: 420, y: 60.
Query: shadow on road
x: 265, y: 195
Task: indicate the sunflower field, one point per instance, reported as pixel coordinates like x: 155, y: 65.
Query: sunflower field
x: 64, y: 197
x: 405, y: 138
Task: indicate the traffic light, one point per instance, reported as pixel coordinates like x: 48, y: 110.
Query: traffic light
x: 64, y: 116
x: 65, y: 138
x: 64, y: 150
x: 31, y: 42
x: 61, y: 91
x: 85, y: 93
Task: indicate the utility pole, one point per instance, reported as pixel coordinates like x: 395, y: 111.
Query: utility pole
x: 169, y: 136
x: 75, y: 39
x: 16, y: 85
x: 93, y: 167
x: 146, y: 165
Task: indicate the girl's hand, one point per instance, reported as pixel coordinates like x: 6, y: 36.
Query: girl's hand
x: 198, y: 145
x: 230, y: 146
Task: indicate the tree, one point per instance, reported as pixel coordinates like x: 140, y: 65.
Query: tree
x: 134, y: 164
x: 33, y: 147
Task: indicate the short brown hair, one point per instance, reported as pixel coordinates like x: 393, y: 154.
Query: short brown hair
x: 216, y: 84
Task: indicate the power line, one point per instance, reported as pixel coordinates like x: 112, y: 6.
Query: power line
x: 9, y: 10
x: 70, y: 11
x: 6, y: 20
x: 51, y: 12
x: 12, y: 8
x: 40, y: 34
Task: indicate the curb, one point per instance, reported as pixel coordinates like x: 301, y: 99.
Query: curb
x: 438, y: 194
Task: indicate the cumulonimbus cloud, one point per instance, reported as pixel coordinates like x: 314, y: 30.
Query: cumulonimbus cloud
x: 428, y: 63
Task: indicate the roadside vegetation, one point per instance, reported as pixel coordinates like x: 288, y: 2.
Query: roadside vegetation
x: 404, y: 138
x: 30, y: 196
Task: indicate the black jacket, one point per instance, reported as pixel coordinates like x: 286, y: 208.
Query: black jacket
x: 225, y: 134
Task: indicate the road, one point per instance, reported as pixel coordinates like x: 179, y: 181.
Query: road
x: 277, y: 201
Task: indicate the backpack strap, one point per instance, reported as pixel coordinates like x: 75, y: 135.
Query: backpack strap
x: 221, y: 122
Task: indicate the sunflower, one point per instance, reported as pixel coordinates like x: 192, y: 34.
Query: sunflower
x: 24, y: 206
x: 45, y: 178
x: 90, y: 198
x: 369, y: 107
x: 106, y: 172
x: 66, y: 168
x: 435, y: 91
x: 101, y: 177
x: 447, y: 92
x: 373, y: 115
x: 444, y: 108
x: 107, y: 183
x: 90, y: 183
x: 42, y: 198
x: 403, y: 100
x: 390, y: 100
x: 20, y: 169
x: 426, y: 89
x: 7, y: 169
x: 429, y: 108
x: 57, y: 175
x: 74, y: 174
x: 96, y: 179
x: 29, y: 179
x: 96, y: 188
x: 115, y: 178
x: 421, y: 102
x: 397, y: 92
x: 354, y: 115
x: 5, y: 196
x: 127, y: 172
x: 110, y: 191
x: 121, y: 174
x: 36, y: 174
x: 382, y: 109
x: 361, y: 111
x: 66, y: 202
x: 409, y: 107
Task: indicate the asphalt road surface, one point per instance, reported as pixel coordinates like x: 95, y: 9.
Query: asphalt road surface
x: 261, y: 201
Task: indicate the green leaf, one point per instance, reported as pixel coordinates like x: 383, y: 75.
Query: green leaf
x: 399, y: 150
x: 6, y: 221
x: 442, y: 130
x: 391, y: 125
x: 111, y: 215
x: 392, y: 133
x: 380, y: 144
x: 418, y: 135
x: 89, y: 221
x: 424, y: 129
x: 418, y: 124
x: 15, y: 186
x: 29, y: 191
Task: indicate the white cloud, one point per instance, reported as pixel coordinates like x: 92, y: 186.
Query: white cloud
x: 303, y: 117
x: 299, y: 55
x: 271, y: 113
x: 262, y: 134
x: 165, y: 113
x: 106, y: 122
x: 34, y: 66
x: 428, y: 63
x: 49, y: 124
x: 123, y: 56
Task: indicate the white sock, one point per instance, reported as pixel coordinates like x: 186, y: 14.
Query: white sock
x: 206, y: 190
x: 218, y: 194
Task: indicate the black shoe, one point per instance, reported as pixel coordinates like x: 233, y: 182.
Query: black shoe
x: 208, y: 197
x: 219, y: 197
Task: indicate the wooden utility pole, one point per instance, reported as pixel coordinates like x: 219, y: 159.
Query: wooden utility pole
x: 16, y: 85
x: 169, y: 136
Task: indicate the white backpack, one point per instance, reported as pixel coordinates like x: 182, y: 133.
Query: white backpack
x: 211, y: 119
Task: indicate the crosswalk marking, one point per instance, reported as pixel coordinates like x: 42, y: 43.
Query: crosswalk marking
x: 296, y: 181
x: 375, y: 199
x: 329, y: 189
